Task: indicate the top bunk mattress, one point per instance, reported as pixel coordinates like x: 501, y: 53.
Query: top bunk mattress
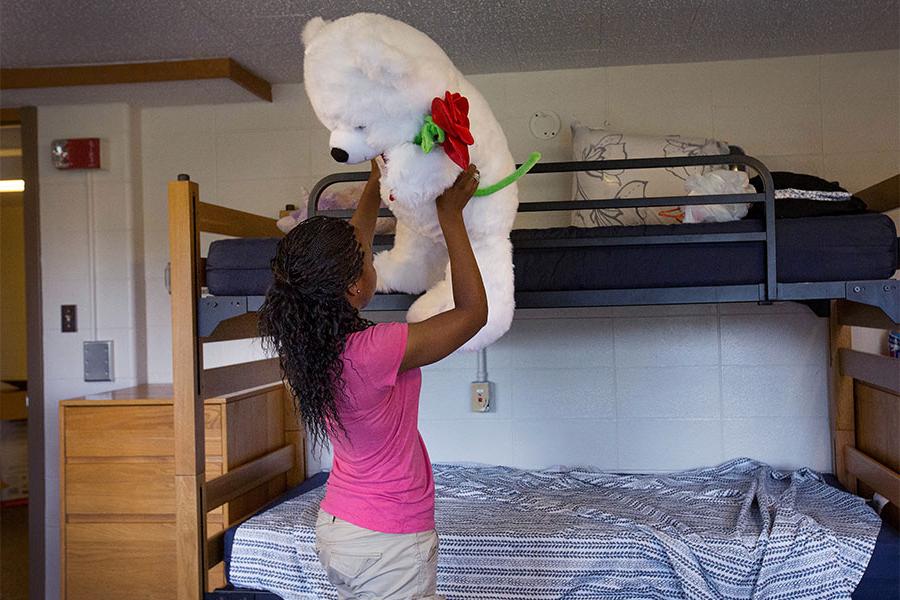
x: 841, y: 248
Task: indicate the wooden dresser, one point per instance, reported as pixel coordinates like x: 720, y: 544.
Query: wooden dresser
x: 117, y: 480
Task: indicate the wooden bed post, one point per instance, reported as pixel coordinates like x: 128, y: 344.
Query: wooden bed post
x: 841, y: 404
x: 190, y: 512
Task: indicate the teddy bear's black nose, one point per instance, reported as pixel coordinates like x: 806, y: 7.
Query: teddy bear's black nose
x: 339, y: 154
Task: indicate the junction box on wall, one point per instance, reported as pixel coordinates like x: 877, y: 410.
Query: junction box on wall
x: 481, y: 388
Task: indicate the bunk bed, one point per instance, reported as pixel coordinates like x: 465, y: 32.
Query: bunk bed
x: 744, y: 261
x: 865, y: 389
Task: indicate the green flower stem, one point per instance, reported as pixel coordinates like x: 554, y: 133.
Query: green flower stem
x: 515, y: 175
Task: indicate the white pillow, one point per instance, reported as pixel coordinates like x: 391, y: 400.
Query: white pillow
x: 602, y: 144
x: 723, y: 181
x: 335, y: 198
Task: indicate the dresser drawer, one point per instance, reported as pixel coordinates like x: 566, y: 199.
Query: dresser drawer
x: 122, y: 431
x: 125, y: 488
x: 120, y: 560
x: 146, y: 488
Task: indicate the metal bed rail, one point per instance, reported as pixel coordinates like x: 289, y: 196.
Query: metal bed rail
x: 770, y: 288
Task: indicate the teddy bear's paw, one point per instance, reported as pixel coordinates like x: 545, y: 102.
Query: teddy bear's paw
x: 397, y: 273
x: 489, y: 334
x: 435, y: 301
x: 387, y: 270
x: 500, y: 316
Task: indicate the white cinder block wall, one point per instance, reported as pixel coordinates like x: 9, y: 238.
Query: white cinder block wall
x: 634, y: 388
x: 90, y: 222
x: 641, y: 389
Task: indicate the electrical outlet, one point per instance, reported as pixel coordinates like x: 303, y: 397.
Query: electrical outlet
x: 481, y: 396
x: 98, y: 361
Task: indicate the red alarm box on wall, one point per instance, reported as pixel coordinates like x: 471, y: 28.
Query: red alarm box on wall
x: 77, y: 153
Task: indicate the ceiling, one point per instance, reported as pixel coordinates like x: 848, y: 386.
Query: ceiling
x: 481, y: 36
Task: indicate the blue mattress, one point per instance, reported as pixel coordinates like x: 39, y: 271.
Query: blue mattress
x: 881, y: 580
x: 842, y: 248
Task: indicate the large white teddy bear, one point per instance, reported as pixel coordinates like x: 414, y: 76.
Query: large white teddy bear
x: 371, y: 80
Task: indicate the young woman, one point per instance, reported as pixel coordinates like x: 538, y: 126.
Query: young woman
x: 357, y: 384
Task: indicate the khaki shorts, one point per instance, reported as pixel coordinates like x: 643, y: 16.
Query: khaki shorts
x: 364, y: 564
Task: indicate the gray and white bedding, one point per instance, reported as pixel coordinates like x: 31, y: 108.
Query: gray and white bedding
x: 738, y: 530
x: 818, y: 195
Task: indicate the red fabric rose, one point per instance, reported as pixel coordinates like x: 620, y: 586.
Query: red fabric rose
x: 451, y: 113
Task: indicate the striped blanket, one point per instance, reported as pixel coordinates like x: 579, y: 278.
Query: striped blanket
x: 738, y: 530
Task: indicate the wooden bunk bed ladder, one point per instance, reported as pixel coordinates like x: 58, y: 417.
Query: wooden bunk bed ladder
x: 196, y: 552
x: 190, y: 523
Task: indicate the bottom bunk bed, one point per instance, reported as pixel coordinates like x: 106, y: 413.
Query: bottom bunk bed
x: 739, y: 530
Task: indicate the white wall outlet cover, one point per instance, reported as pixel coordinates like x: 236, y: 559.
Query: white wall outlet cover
x: 481, y: 396
x: 544, y: 124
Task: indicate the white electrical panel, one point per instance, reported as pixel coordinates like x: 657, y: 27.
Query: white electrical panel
x: 98, y: 361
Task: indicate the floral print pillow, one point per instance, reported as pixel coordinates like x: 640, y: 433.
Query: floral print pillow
x: 602, y: 144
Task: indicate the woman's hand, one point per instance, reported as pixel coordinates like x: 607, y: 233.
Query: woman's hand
x: 455, y: 198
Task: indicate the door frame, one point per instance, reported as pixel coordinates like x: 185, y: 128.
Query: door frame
x: 27, y: 119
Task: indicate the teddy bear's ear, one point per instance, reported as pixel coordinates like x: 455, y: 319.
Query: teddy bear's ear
x: 312, y: 29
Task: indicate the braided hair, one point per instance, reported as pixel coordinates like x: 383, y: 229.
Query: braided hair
x: 306, y: 316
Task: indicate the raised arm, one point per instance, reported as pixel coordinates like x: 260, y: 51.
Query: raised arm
x: 433, y: 339
x: 366, y: 213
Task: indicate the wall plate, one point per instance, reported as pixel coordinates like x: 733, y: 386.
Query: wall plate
x: 98, y: 361
x: 481, y: 396
x: 544, y: 124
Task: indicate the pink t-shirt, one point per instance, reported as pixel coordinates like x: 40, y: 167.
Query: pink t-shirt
x: 381, y: 478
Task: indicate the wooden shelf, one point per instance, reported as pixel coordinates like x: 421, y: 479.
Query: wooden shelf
x: 146, y: 72
x: 883, y: 196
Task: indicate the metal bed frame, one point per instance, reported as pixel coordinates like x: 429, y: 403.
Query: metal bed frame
x: 882, y: 294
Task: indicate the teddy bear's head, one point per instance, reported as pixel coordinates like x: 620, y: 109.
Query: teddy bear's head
x: 371, y: 80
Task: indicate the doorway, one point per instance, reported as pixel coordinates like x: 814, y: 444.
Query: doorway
x: 21, y: 362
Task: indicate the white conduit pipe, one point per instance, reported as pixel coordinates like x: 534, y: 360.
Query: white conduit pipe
x: 92, y: 252
x: 482, y: 365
